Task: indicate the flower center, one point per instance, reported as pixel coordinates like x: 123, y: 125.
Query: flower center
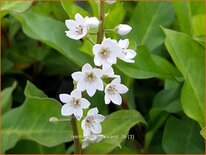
x: 89, y: 120
x: 75, y: 103
x: 111, y: 90
x: 79, y: 30
x: 104, y: 53
x: 90, y: 77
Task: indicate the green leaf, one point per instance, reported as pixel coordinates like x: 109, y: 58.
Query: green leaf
x: 146, y: 24
x: 157, y: 119
x: 6, y: 97
x: 203, y: 133
x: 148, y: 65
x: 31, y: 121
x: 188, y: 55
x: 52, y: 32
x: 31, y: 147
x: 197, y: 7
x: 184, y: 16
x: 56, y: 64
x: 117, y: 125
x: 168, y: 100
x: 71, y: 9
x: 14, y: 6
x: 6, y: 65
x: 117, y: 13
x: 198, y: 24
x: 181, y: 136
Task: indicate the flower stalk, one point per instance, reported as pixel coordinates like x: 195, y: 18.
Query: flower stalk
x: 100, y: 35
x: 77, y: 144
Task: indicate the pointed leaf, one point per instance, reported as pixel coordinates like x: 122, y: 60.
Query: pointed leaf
x: 188, y: 55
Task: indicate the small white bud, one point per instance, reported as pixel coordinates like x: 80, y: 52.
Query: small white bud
x: 53, y: 120
x: 92, y: 22
x: 123, y: 29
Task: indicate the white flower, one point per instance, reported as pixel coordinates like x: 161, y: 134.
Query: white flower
x: 123, y: 29
x: 89, y: 79
x: 93, y: 138
x: 106, y: 53
x: 127, y: 54
x: 110, y: 1
x: 113, y: 91
x: 92, y: 22
x: 91, y: 123
x: 77, y: 28
x: 109, y: 72
x: 107, y: 1
x: 74, y: 104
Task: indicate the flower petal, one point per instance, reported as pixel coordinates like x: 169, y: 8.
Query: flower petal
x: 91, y: 89
x: 72, y: 34
x: 85, y: 103
x: 122, y: 89
x: 79, y: 18
x: 81, y: 85
x: 99, y: 85
x: 85, y: 144
x: 106, y: 99
x: 98, y: 72
x: 97, y: 61
x: 92, y: 112
x: 130, y: 54
x: 87, y: 68
x: 99, y: 118
x: 71, y: 24
x: 96, y: 128
x: 83, y: 124
x: 76, y: 94
x: 96, y: 49
x: 87, y: 132
x: 65, y: 98
x: 67, y: 110
x: 78, y: 113
x: 123, y: 43
x: 116, y: 99
x: 77, y: 76
x: 116, y: 81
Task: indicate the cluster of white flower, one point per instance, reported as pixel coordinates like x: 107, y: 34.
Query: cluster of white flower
x: 91, y: 79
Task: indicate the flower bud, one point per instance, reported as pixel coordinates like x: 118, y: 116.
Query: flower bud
x: 123, y: 29
x: 53, y: 120
x: 92, y: 22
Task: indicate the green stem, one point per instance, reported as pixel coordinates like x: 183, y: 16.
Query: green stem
x: 91, y: 41
x: 109, y: 30
x: 77, y: 144
x: 100, y: 34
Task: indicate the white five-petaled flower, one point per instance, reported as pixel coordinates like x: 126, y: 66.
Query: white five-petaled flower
x: 93, y: 138
x: 113, y: 91
x: 123, y: 29
x: 89, y: 79
x: 92, y: 22
x: 106, y: 53
x: 74, y: 104
x: 127, y: 54
x: 91, y: 123
x: 77, y: 28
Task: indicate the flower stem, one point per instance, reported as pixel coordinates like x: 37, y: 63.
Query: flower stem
x: 77, y: 144
x: 100, y: 34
